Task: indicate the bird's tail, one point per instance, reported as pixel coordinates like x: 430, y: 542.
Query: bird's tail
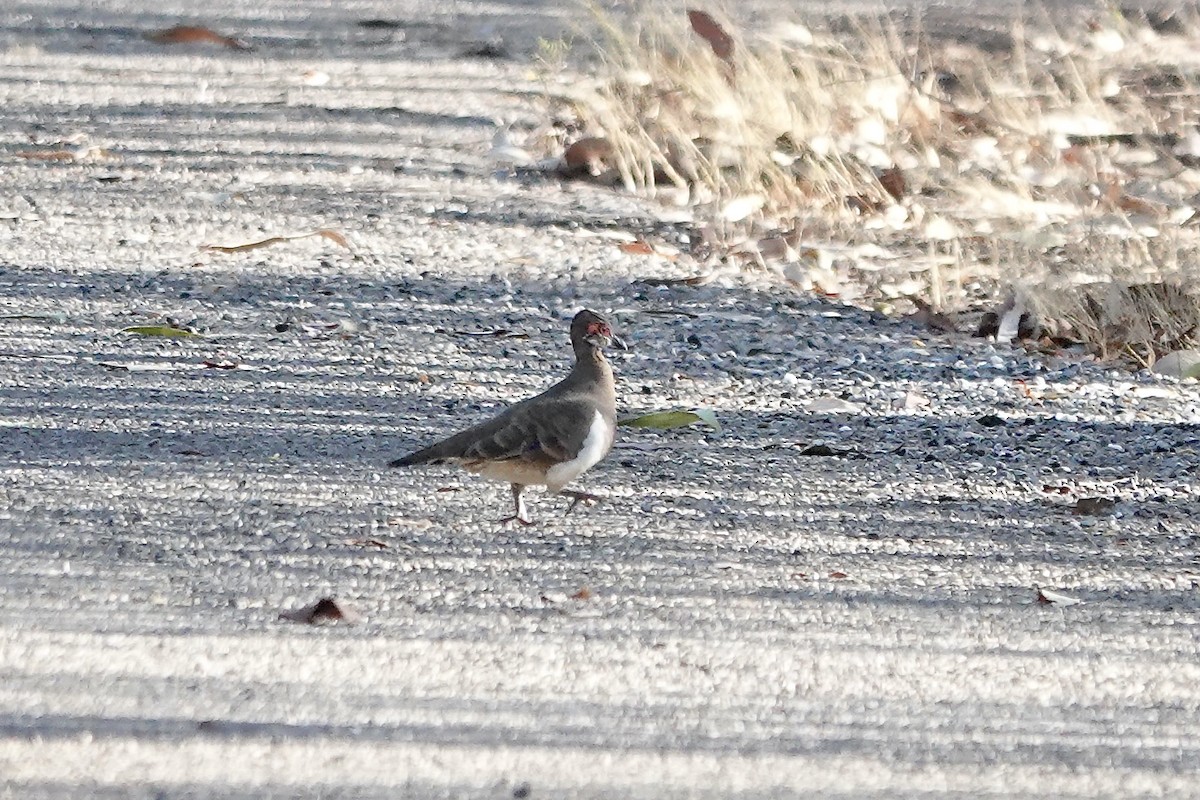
x: 429, y: 455
x: 409, y: 460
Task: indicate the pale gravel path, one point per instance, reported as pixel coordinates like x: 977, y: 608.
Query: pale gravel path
x: 155, y: 520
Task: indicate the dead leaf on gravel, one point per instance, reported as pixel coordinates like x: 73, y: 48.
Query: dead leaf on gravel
x: 74, y: 154
x: 892, y: 180
x: 1049, y: 598
x: 220, y: 363
x: 666, y: 420
x: 160, y: 330
x: 821, y: 451
x: 739, y: 208
x: 636, y: 248
x: 911, y: 401
x: 711, y: 31
x: 832, y: 405
x: 378, y: 544
x: 583, y: 594
x: 380, y: 24
x: 926, y: 316
x: 324, y: 233
x: 1093, y: 506
x: 692, y: 280
x: 590, y: 155
x: 195, y: 34
x: 497, y: 333
x: 837, y: 576
x: 325, y: 610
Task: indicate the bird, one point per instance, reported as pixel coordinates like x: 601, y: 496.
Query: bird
x: 547, y: 440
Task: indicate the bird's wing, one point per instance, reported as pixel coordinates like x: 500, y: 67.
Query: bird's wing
x: 552, y: 429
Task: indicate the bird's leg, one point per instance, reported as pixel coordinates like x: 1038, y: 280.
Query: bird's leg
x: 521, y: 515
x: 579, y: 497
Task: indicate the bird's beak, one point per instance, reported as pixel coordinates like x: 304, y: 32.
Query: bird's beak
x: 617, y: 341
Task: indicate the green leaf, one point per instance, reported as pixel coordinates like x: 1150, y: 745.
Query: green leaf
x: 666, y: 420
x: 159, y: 330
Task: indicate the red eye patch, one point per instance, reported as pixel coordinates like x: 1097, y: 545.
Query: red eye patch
x: 599, y: 328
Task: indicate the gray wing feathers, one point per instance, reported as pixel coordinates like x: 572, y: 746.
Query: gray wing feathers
x: 555, y: 428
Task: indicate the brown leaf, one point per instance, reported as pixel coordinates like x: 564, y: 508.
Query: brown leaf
x: 378, y: 544
x: 327, y: 609
x: 710, y: 31
x: 589, y: 154
x: 324, y: 233
x: 47, y: 155
x: 926, y: 316
x: 838, y: 575
x: 892, y: 180
x: 81, y: 154
x: 637, y: 248
x: 583, y: 594
x: 222, y: 363
x: 195, y: 34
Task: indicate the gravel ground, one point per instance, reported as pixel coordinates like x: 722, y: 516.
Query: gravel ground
x: 834, y: 595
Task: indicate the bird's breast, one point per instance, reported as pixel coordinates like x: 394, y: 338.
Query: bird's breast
x: 596, y: 445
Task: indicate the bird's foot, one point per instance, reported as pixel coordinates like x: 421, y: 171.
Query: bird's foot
x: 580, y: 497
x: 515, y: 518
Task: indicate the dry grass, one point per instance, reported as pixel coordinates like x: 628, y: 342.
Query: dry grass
x: 876, y: 164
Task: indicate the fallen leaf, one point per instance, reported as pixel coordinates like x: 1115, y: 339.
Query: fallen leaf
x: 583, y: 594
x: 378, y: 544
x: 711, y: 31
x: 160, y: 330
x: 589, y: 154
x: 832, y: 405
x: 821, y: 451
x: 80, y: 154
x: 739, y: 208
x: 926, y: 316
x: 892, y: 180
x: 380, y: 24
x: 324, y: 233
x: 1093, y: 506
x: 692, y: 280
x: 498, y: 333
x: 837, y: 576
x: 1047, y: 597
x: 327, y: 609
x: 666, y: 420
x: 638, y: 248
x: 195, y: 34
x: 1179, y: 364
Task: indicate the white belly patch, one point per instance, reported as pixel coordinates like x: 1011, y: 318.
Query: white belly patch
x: 595, y: 447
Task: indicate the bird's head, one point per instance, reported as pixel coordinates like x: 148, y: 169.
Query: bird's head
x: 591, y: 328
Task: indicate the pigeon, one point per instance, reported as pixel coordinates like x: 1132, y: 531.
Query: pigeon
x: 547, y: 440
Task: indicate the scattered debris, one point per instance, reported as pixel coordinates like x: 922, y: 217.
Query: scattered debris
x: 325, y: 610
x: 196, y: 34
x: 1047, y: 597
x: 324, y: 233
